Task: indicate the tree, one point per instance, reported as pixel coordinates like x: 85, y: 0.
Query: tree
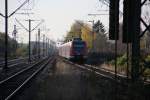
x: 22, y: 50
x: 75, y: 31
x: 87, y: 35
x: 11, y: 45
x: 84, y: 30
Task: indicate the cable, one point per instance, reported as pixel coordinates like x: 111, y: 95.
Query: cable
x: 106, y: 2
x: 2, y: 15
x: 21, y: 25
x: 37, y: 25
x: 19, y: 8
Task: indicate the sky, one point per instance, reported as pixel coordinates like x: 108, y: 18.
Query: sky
x: 58, y: 16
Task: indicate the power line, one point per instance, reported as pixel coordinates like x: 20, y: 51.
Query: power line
x: 106, y: 2
x: 2, y: 15
x: 30, y: 30
x: 37, y: 25
x: 19, y: 8
x: 6, y: 28
x: 97, y: 14
x: 21, y: 24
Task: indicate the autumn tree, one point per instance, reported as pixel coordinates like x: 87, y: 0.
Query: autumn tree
x: 87, y: 35
x: 84, y: 30
x: 75, y: 31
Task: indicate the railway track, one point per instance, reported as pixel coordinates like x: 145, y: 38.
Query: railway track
x: 12, y: 62
x: 12, y: 85
x: 12, y: 69
x: 110, y: 74
x: 21, y: 63
x: 18, y: 60
x: 97, y: 71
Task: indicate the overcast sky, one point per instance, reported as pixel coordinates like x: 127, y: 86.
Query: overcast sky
x: 58, y: 15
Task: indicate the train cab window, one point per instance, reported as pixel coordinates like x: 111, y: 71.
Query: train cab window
x: 78, y: 45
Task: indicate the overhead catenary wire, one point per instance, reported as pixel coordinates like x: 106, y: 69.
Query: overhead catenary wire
x: 21, y: 24
x: 6, y: 28
x: 37, y: 25
x: 2, y: 15
x: 19, y: 8
x: 106, y: 2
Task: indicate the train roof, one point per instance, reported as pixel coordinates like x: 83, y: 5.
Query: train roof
x: 77, y: 39
x: 70, y: 42
x: 67, y: 43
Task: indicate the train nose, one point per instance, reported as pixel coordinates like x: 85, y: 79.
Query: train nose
x: 77, y: 53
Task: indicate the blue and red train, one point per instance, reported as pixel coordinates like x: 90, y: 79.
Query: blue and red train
x: 75, y: 50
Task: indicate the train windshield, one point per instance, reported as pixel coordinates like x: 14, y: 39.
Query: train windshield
x: 78, y: 46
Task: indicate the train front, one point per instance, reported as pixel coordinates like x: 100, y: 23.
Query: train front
x: 79, y: 51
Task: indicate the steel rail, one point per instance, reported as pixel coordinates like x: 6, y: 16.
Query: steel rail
x: 107, y: 73
x: 106, y: 70
x: 103, y: 73
x: 20, y: 72
x: 14, y: 65
x: 33, y: 71
x: 113, y: 73
x: 12, y: 60
x: 27, y: 80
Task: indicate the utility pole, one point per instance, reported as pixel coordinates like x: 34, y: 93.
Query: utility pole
x: 29, y: 40
x: 43, y: 44
x: 136, y: 41
x: 15, y: 33
x: 39, y: 47
x: 30, y: 37
x: 15, y: 39
x: 50, y: 47
x: 46, y: 46
x: 36, y: 45
x: 6, y: 16
x: 131, y: 33
x: 6, y: 34
x: 29, y: 30
x: 29, y: 49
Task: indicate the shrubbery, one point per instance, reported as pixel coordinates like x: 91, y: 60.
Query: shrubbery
x: 121, y: 61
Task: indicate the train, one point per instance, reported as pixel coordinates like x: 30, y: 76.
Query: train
x: 75, y: 50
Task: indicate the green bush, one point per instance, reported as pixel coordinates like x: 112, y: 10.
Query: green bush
x: 120, y: 60
x: 147, y: 58
x: 147, y: 62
